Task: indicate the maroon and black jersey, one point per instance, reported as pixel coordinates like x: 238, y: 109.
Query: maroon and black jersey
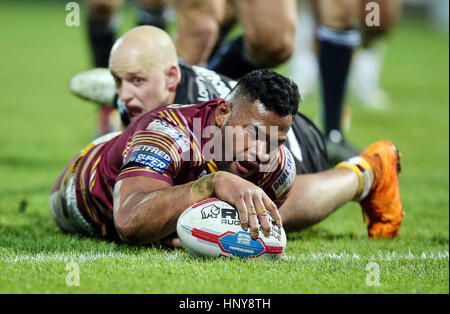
x: 162, y: 145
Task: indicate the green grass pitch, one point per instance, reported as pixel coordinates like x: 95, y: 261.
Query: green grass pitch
x: 43, y: 126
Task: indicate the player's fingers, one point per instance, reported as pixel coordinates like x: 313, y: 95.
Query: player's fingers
x: 273, y: 210
x: 253, y: 221
x: 252, y: 217
x: 262, y: 215
x: 243, y: 214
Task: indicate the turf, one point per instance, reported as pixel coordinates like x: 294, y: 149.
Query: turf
x: 43, y: 126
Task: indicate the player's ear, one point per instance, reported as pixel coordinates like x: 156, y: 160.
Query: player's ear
x: 173, y: 78
x: 222, y: 113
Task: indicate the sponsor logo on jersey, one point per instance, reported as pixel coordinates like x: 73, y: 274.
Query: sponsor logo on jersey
x: 105, y: 138
x: 178, y: 106
x: 286, y: 178
x: 217, y: 82
x: 149, y: 161
x: 155, y: 151
x: 202, y: 89
x: 169, y: 130
x: 204, y: 173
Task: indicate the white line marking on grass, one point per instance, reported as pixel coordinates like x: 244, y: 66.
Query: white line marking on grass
x: 83, y: 257
x: 391, y: 256
x: 173, y: 256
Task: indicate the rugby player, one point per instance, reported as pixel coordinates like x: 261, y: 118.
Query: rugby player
x: 145, y: 57
x: 141, y: 59
x: 136, y: 184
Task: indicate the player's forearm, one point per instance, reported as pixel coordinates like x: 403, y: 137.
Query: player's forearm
x: 147, y: 217
x: 151, y: 217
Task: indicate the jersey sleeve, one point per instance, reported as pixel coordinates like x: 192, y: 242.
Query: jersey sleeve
x: 280, y: 181
x: 155, y: 152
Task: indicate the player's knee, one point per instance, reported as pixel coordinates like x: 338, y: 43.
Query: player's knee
x: 194, y: 44
x: 343, y: 21
x: 343, y: 15
x: 271, y: 53
x: 207, y: 30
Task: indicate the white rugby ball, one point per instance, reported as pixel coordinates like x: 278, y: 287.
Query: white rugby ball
x: 212, y: 228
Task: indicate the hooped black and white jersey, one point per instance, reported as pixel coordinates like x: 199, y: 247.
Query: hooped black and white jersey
x: 199, y: 85
x: 307, y: 145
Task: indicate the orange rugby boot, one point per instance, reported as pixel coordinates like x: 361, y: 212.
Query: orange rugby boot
x: 382, y: 207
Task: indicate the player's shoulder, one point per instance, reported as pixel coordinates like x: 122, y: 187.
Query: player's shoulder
x: 172, y: 123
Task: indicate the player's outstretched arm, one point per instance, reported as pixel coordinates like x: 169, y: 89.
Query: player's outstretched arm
x: 146, y: 210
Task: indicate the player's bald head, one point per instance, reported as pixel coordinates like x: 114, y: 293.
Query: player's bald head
x: 143, y: 47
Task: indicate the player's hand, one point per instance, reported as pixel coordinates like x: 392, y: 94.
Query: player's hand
x: 251, y: 202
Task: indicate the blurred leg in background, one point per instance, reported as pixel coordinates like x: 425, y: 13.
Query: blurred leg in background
x: 229, y: 21
x: 365, y: 82
x: 198, y: 24
x: 304, y: 68
x: 269, y: 37
x: 338, y: 36
x: 153, y: 12
x: 102, y: 29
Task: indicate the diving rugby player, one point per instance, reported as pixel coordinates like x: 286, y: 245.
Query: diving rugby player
x: 136, y: 184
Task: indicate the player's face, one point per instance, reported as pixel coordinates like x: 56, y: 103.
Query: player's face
x: 141, y: 88
x: 257, y: 135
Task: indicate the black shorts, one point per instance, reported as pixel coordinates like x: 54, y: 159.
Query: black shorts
x: 308, y: 148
